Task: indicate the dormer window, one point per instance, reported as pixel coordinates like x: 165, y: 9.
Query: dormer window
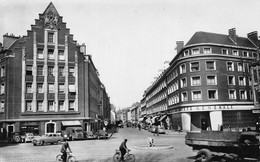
x: 195, y: 51
x: 186, y: 53
x: 206, y: 50
x: 235, y: 52
x: 224, y: 51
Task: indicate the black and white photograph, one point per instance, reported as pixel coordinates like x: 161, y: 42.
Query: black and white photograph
x: 129, y: 80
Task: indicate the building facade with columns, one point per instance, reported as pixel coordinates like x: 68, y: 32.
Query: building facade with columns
x: 208, y: 83
x: 48, y: 82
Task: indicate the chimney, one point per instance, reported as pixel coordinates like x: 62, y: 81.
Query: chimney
x: 1, y: 47
x: 232, y: 35
x: 83, y: 49
x: 180, y: 45
x: 253, y: 37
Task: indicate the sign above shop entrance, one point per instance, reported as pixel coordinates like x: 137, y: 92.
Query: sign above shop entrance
x: 206, y: 108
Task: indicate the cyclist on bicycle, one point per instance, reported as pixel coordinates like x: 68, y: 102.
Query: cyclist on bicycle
x: 64, y: 148
x: 123, y: 149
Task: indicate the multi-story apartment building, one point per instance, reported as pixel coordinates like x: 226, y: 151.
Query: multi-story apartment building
x: 208, y: 83
x: 48, y: 82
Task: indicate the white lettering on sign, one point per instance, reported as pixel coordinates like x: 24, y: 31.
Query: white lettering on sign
x: 207, y: 108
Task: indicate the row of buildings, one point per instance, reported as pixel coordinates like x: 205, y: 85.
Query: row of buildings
x: 48, y: 81
x: 212, y: 81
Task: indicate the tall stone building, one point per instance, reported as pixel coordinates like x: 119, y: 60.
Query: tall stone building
x: 208, y: 83
x: 48, y: 82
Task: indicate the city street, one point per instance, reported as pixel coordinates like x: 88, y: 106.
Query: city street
x: 103, y: 150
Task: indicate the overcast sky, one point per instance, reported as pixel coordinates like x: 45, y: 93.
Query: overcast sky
x: 130, y: 40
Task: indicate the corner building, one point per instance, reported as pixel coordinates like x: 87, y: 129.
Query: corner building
x: 47, y: 81
x: 208, y: 83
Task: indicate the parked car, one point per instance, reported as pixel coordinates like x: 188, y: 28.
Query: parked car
x: 47, y: 138
x: 16, y: 137
x: 101, y: 134
x: 89, y: 135
x: 28, y: 137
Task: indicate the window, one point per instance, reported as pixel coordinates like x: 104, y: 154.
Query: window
x: 51, y: 105
x: 211, y: 80
x: 2, y: 71
x: 210, y: 65
x: 50, y: 37
x: 206, y: 50
x: 186, y: 53
x: 50, y: 70
x: 250, y: 81
x: 2, y: 106
x: 232, y: 94
x: 183, y: 82
x: 61, y: 71
x: 230, y: 66
x: 240, y: 67
x: 242, y: 81
x: 243, y: 95
x: 40, y: 87
x: 235, y: 52
x: 2, y: 88
x: 251, y: 94
x: 196, y: 95
x: 212, y: 94
x: 231, y: 80
x: 224, y: 51
x: 195, y: 81
x: 61, y: 88
x: 61, y: 55
x: 28, y: 87
x: 254, y: 55
x: 28, y: 69
x: 71, y: 105
x: 183, y: 68
x: 29, y: 105
x: 51, y: 54
x: 71, y: 72
x: 184, y: 96
x: 40, y: 70
x: 39, y: 53
x: 51, y: 88
x: 194, y: 66
x: 61, y: 105
x: 250, y: 54
x: 195, y: 51
x: 245, y: 54
x: 40, y: 105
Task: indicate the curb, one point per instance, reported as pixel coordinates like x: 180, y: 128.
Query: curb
x: 159, y: 147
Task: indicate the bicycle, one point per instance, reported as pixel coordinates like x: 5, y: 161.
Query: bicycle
x: 127, y: 158
x: 70, y: 158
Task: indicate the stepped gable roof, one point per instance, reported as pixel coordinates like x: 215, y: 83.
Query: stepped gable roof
x: 51, y: 9
x: 204, y: 37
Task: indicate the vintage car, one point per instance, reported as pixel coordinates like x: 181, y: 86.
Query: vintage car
x: 47, y: 138
x: 89, y: 135
x: 28, y: 137
x: 101, y: 134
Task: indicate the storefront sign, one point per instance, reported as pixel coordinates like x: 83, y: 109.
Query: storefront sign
x: 206, y: 108
x: 30, y: 123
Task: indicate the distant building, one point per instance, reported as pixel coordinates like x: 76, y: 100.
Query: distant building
x: 207, y: 84
x: 48, y: 82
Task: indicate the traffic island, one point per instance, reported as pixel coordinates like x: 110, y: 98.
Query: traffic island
x: 156, y: 147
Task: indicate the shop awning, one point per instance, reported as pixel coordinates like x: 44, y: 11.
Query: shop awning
x: 163, y: 117
x: 71, y: 123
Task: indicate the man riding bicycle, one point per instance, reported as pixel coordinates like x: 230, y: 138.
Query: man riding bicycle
x: 64, y: 148
x: 123, y: 149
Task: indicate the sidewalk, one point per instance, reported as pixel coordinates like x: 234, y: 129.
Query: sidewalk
x: 172, y: 132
